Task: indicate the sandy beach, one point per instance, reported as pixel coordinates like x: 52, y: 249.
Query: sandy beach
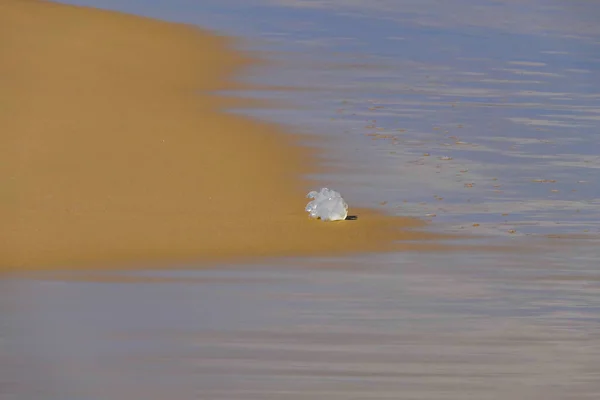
x: 480, y: 118
x: 115, y: 151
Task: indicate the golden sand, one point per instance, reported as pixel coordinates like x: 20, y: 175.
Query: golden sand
x: 114, y: 151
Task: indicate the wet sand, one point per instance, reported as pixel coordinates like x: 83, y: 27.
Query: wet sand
x: 399, y: 326
x: 115, y: 151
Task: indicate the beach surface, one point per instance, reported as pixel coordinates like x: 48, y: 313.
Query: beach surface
x: 481, y: 117
x: 116, y: 150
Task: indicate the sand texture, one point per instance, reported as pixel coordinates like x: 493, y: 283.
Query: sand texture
x: 115, y: 151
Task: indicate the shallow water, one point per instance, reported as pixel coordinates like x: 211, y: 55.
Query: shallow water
x: 492, y: 106
x: 503, y: 97
x: 411, y: 326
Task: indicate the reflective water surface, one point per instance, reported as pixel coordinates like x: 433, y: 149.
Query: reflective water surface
x: 410, y: 326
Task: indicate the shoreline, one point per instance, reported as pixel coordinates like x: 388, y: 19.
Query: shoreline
x: 116, y: 152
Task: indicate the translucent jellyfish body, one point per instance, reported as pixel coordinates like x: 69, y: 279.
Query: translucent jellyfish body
x: 327, y: 205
